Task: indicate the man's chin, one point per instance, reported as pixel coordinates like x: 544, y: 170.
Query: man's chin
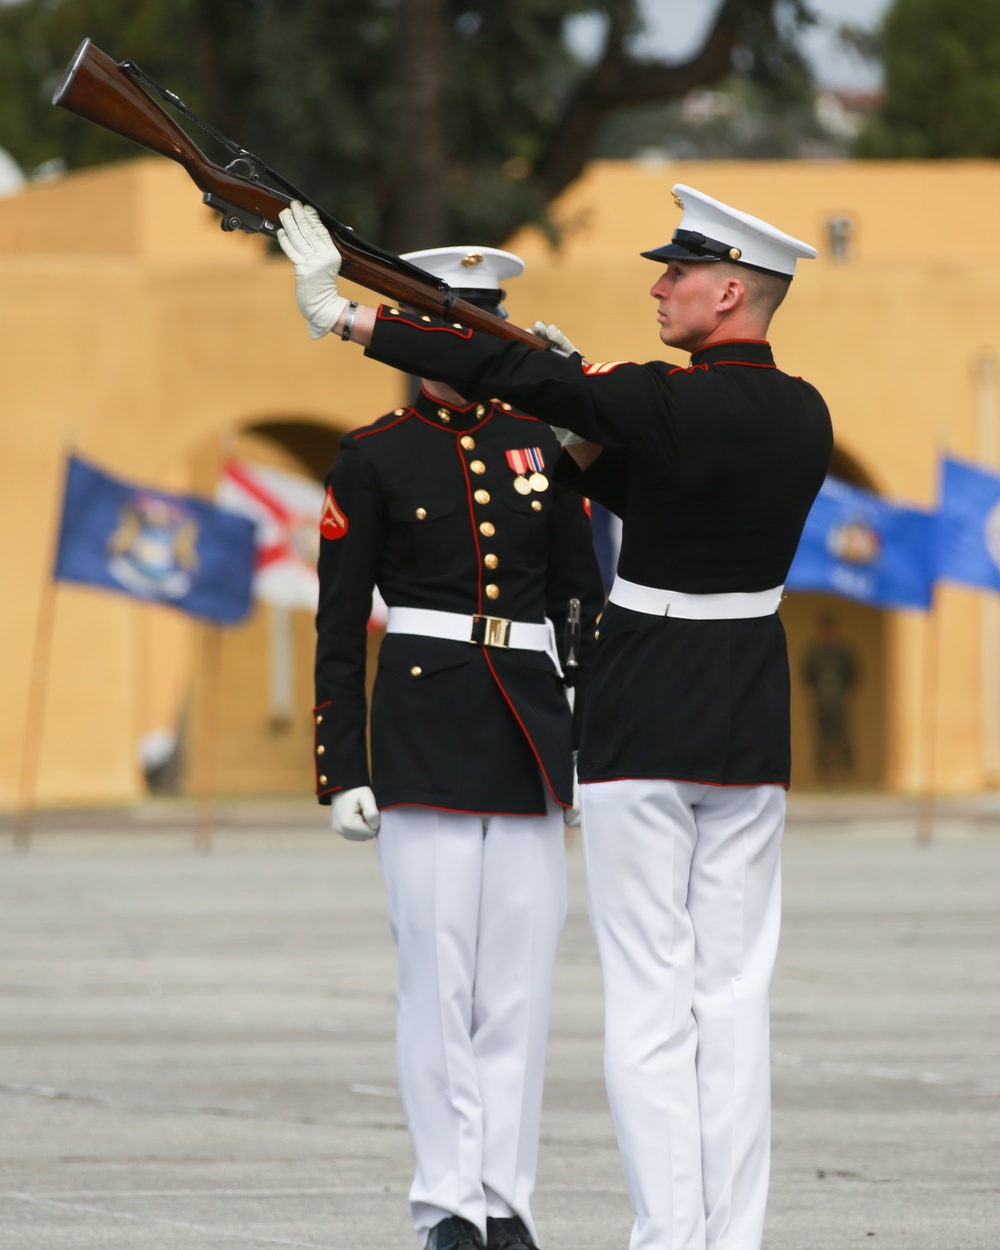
x: 670, y: 338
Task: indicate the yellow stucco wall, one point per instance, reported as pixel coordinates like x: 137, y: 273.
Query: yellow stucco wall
x: 131, y: 326
x: 147, y: 346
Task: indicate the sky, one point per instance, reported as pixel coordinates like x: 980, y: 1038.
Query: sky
x: 676, y: 27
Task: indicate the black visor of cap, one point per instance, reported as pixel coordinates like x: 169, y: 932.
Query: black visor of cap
x: 692, y: 245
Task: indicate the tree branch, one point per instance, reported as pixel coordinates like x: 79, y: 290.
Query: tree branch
x: 618, y: 80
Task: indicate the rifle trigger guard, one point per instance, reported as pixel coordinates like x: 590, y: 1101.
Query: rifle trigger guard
x: 449, y: 300
x: 234, y: 218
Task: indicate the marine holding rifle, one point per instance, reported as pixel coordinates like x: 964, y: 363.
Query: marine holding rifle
x: 684, y: 754
x: 449, y: 507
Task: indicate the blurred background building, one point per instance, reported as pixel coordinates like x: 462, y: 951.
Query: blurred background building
x: 133, y: 332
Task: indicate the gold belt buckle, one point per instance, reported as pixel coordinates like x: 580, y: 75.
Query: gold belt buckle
x: 490, y: 631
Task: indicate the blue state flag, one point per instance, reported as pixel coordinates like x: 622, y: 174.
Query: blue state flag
x: 862, y: 547
x: 172, y: 549
x: 969, y: 525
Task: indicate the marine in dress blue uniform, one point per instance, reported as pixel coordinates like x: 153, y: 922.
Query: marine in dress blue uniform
x: 449, y: 508
x: 684, y: 755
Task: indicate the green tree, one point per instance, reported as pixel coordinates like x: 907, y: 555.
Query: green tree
x: 413, y: 120
x: 942, y: 81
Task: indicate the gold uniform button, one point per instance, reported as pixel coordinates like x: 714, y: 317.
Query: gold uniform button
x: 492, y: 592
x: 536, y: 505
x: 321, y: 750
x: 488, y: 528
x: 416, y: 670
x: 394, y: 311
x: 480, y: 410
x: 457, y: 325
x: 505, y: 407
x: 597, y: 633
x: 319, y: 720
x: 399, y: 412
x: 482, y: 496
x: 490, y: 561
x: 322, y: 781
x: 477, y: 466
x: 425, y: 318
x: 421, y: 514
x: 467, y: 441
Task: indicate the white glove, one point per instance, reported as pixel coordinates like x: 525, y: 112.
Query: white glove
x: 572, y: 814
x: 354, y: 815
x: 561, y: 345
x: 307, y: 244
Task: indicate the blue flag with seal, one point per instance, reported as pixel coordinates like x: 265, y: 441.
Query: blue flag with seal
x: 969, y: 525
x: 860, y: 546
x: 172, y: 549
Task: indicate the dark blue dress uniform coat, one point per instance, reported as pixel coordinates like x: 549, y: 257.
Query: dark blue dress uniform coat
x: 424, y: 506
x: 713, y: 470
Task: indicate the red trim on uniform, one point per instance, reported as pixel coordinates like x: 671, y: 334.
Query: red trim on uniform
x: 459, y: 811
x: 523, y: 729
x: 320, y: 706
x: 722, y: 343
x: 688, y: 369
x: 332, y: 790
x: 448, y: 429
x: 475, y: 530
x: 382, y: 428
x: 385, y: 314
x: 690, y: 781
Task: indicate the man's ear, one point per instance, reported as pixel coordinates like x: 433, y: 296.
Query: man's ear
x: 732, y: 295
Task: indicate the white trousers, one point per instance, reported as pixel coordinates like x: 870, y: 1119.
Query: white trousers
x: 476, y: 906
x: 684, y: 885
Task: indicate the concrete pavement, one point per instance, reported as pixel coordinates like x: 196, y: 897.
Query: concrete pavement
x: 196, y: 1049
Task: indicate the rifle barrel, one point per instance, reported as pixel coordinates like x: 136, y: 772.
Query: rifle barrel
x: 98, y: 89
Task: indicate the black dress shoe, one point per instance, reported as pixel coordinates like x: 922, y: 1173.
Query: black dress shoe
x: 454, y: 1233
x: 508, y: 1234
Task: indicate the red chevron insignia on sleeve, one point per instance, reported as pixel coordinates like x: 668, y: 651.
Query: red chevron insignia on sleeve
x: 332, y: 522
x: 607, y: 366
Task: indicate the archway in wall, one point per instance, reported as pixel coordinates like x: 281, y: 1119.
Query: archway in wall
x: 254, y: 683
x: 837, y: 742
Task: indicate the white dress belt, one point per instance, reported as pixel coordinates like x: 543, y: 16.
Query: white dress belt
x: 730, y: 606
x: 484, y: 631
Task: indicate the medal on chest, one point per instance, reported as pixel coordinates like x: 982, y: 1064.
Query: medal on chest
x: 528, y: 463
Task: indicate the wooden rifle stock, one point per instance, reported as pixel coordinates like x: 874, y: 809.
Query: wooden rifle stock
x: 101, y: 90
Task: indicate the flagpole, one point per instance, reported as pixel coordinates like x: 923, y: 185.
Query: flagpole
x: 140, y: 688
x: 35, y: 719
x: 212, y: 655
x: 986, y: 371
x: 38, y: 680
x: 932, y: 648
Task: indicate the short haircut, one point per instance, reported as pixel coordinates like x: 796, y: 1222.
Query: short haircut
x: 765, y: 291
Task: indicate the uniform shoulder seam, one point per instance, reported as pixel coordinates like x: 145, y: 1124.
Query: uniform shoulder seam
x: 382, y: 424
